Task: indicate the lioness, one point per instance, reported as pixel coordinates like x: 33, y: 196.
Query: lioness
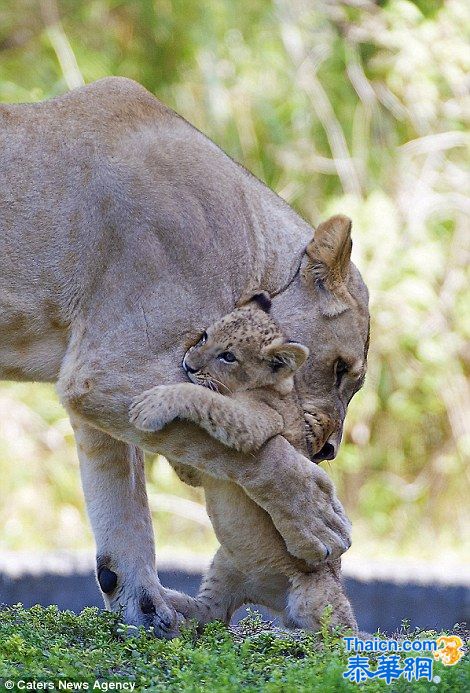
x: 123, y: 232
x: 246, y: 356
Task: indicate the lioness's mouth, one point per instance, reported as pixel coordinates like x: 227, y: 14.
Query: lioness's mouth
x: 315, y: 432
x: 326, y: 453
x: 309, y: 437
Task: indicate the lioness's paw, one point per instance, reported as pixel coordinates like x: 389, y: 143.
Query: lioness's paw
x: 141, y: 602
x: 316, y: 529
x: 152, y: 410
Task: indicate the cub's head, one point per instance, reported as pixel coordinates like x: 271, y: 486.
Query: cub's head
x: 245, y: 350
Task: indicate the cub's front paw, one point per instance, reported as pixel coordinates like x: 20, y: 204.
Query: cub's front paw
x: 153, y: 409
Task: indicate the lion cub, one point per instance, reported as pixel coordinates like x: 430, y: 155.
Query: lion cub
x: 243, y: 355
x: 246, y: 368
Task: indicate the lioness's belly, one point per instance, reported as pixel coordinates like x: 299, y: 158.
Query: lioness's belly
x: 31, y: 347
x: 45, y: 213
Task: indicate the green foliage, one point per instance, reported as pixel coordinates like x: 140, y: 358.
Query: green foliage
x: 49, y: 645
x: 340, y: 107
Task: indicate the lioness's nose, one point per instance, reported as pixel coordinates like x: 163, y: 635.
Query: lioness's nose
x: 328, y: 452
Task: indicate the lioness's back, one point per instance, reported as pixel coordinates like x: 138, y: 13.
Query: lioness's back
x: 114, y: 100
x: 106, y: 181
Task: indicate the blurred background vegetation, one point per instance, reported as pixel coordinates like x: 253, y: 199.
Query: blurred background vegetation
x: 357, y: 107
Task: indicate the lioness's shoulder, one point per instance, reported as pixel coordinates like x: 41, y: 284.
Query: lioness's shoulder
x: 112, y: 98
x: 126, y: 99
x: 115, y: 86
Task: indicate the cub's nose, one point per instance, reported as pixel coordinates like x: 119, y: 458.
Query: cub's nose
x: 188, y: 368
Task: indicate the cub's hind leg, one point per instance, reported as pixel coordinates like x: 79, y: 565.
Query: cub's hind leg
x: 311, y: 593
x: 222, y: 591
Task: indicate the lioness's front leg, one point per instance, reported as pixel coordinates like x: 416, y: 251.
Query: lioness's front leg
x: 313, y: 525
x: 243, y: 428
x: 114, y: 486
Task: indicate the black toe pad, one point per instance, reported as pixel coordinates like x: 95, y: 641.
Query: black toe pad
x: 107, y: 579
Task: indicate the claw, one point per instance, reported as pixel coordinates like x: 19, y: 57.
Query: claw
x: 146, y: 604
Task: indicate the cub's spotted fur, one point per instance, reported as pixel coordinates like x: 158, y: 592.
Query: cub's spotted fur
x: 243, y: 355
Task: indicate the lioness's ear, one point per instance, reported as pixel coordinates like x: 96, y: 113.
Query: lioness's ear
x: 286, y: 357
x: 329, y: 255
x: 261, y: 298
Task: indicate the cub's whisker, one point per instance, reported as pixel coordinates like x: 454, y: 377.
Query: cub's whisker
x: 225, y: 387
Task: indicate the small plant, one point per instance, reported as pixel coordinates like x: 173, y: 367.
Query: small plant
x: 93, y: 651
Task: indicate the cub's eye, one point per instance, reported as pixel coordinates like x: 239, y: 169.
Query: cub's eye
x: 203, y: 339
x: 227, y: 357
x: 341, y: 368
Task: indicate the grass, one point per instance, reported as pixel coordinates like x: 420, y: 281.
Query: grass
x: 45, y: 644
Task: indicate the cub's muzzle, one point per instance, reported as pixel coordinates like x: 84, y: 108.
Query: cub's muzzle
x: 187, y: 368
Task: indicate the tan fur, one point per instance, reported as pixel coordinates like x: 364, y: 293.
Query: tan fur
x: 256, y: 383
x: 257, y: 402
x: 328, y: 253
x: 123, y: 232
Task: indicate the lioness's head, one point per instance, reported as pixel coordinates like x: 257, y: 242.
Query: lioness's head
x: 326, y: 308
x: 245, y: 350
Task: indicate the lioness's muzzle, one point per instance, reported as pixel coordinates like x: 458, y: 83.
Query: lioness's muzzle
x: 328, y: 452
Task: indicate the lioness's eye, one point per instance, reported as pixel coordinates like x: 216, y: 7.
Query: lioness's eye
x: 203, y: 339
x: 227, y: 357
x: 341, y: 368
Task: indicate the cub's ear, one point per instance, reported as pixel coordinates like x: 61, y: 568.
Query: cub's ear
x: 262, y: 300
x: 328, y: 260
x: 286, y: 357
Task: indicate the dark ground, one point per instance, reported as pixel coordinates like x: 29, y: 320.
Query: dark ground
x: 383, y: 595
